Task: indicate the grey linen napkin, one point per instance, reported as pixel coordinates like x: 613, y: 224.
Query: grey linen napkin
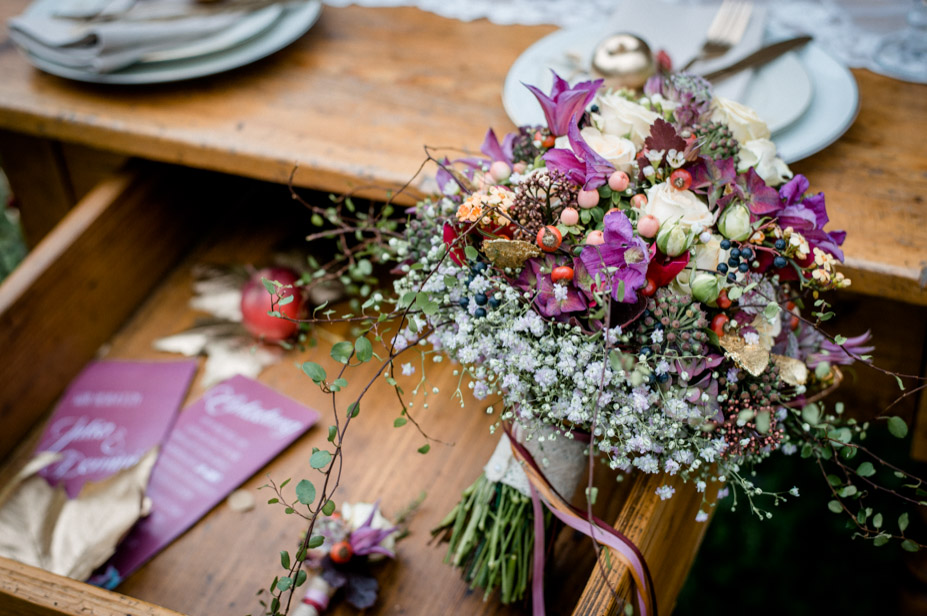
x: 103, y: 37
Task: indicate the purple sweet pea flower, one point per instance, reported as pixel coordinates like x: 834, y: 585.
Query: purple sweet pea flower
x: 366, y: 540
x: 808, y: 216
x: 622, y: 250
x: 581, y: 164
x: 565, y: 102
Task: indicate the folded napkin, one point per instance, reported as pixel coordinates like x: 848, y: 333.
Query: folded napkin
x: 680, y: 31
x: 102, y: 36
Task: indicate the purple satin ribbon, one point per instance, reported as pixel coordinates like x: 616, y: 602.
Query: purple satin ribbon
x: 589, y: 525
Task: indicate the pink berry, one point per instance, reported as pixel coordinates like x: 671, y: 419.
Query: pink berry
x: 520, y: 167
x: 587, y: 199
x: 595, y: 238
x: 618, y: 181
x: 648, y: 226
x: 569, y: 216
x: 500, y: 170
x: 639, y: 201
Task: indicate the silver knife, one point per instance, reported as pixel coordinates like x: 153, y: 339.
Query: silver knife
x: 758, y: 58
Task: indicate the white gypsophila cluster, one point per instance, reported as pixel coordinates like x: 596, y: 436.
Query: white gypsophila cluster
x: 552, y: 373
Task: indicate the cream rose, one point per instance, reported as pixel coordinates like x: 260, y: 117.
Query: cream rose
x: 761, y: 155
x: 356, y: 514
x: 623, y: 118
x: 745, y: 125
x: 682, y: 206
x: 616, y: 150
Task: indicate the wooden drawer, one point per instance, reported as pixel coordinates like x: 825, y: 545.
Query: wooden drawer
x: 115, y: 275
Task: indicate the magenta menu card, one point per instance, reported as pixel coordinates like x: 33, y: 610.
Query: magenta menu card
x: 217, y: 443
x: 110, y: 415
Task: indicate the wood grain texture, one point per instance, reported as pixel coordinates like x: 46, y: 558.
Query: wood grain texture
x: 353, y: 102
x: 666, y: 533
x: 28, y: 591
x: 78, y: 286
x: 40, y: 182
x: 219, y: 564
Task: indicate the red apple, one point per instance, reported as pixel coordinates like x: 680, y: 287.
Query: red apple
x: 256, y: 302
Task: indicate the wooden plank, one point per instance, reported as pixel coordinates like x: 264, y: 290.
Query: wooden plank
x: 39, y: 180
x: 666, y: 533
x: 77, y: 287
x: 28, y: 591
x: 89, y: 166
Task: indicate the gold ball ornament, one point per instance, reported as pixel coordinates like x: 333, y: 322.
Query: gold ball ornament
x: 624, y: 61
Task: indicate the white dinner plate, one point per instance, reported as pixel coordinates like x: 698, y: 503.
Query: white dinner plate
x: 785, y: 92
x: 289, y: 25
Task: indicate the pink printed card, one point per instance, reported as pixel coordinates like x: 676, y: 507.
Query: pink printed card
x: 217, y: 443
x: 110, y: 415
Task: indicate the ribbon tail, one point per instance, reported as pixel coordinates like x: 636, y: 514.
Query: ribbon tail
x: 537, y: 580
x: 591, y: 526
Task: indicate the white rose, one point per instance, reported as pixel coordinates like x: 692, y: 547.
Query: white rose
x: 617, y: 150
x: 761, y: 155
x: 745, y: 125
x: 623, y: 118
x: 667, y: 203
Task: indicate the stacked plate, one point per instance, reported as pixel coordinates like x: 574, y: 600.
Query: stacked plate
x: 255, y: 35
x: 807, y: 98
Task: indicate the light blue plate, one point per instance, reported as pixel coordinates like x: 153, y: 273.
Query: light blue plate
x: 295, y: 20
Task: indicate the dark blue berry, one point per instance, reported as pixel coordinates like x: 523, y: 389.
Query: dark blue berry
x: 480, y: 299
x: 479, y: 313
x: 594, y: 109
x: 494, y: 302
x: 744, y: 268
x: 731, y: 278
x: 736, y: 253
x: 663, y: 378
x: 779, y: 262
x: 646, y: 351
x: 746, y: 253
x: 733, y: 262
x: 725, y: 244
x: 464, y: 302
x: 480, y: 266
x: 652, y: 378
x: 780, y: 244
x: 722, y: 267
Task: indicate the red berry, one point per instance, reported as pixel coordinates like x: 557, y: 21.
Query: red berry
x: 256, y: 302
x: 723, y: 300
x: 564, y: 272
x: 718, y: 323
x: 650, y: 288
x: 549, y: 238
x: 681, y: 179
x: 341, y: 552
x: 549, y: 141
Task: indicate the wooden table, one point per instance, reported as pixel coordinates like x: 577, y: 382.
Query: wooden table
x: 351, y: 104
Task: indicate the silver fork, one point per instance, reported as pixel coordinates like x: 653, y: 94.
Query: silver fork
x: 725, y: 31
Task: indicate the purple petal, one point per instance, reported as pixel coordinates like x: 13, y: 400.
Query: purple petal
x: 794, y: 189
x: 493, y: 150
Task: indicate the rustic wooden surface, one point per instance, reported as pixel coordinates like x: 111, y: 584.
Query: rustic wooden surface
x: 77, y: 287
x: 219, y: 564
x: 28, y: 591
x: 354, y: 100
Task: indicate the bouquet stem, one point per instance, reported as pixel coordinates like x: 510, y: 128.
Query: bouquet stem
x: 491, y: 536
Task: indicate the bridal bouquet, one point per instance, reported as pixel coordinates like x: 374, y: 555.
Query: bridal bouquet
x: 639, y: 281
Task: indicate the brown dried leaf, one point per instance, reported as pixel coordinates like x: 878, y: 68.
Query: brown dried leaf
x: 751, y: 357
x: 40, y: 526
x: 509, y: 253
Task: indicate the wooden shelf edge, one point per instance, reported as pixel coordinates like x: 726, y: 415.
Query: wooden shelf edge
x: 29, y: 591
x: 665, y: 532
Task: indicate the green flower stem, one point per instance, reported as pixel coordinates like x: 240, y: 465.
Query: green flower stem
x: 491, y: 539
